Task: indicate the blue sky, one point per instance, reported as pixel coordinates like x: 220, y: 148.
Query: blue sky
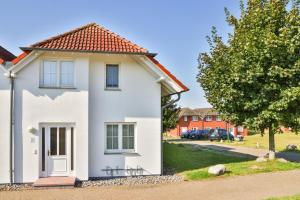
x: 174, y: 29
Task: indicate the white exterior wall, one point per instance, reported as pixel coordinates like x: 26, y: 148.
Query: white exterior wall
x: 34, y: 106
x: 138, y: 101
x: 4, y: 127
x: 89, y: 107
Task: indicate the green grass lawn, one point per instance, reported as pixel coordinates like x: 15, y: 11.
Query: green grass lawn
x: 281, y: 141
x: 193, y: 163
x: 296, y: 197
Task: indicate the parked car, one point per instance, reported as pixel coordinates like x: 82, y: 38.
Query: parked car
x: 199, y: 134
x: 185, y: 134
x: 219, y: 134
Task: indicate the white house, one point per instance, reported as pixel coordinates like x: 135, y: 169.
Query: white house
x: 87, y: 103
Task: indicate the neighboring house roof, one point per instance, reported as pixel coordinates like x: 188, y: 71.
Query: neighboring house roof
x: 197, y: 112
x: 97, y: 39
x: 5, y: 55
x: 91, y: 37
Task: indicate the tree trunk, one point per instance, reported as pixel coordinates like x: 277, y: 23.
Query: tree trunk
x: 271, y: 143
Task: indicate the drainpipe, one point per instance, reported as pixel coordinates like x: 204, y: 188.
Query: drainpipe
x: 161, y: 125
x: 11, y: 76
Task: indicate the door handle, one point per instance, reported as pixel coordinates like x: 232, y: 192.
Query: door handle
x: 48, y: 152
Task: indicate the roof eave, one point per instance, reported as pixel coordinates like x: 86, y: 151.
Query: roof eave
x: 87, y: 51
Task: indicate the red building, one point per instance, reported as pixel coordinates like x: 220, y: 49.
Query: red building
x: 204, y: 118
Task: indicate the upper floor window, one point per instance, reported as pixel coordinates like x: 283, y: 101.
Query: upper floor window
x: 195, y: 118
x: 185, y: 118
x: 112, y: 76
x: 208, y: 118
x: 57, y: 74
x: 218, y: 118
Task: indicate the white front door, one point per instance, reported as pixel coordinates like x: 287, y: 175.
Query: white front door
x: 57, y: 152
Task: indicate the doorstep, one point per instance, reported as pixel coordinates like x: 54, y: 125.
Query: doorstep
x: 55, y: 182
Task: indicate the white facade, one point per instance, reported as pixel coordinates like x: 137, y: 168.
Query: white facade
x: 87, y: 108
x: 4, y: 126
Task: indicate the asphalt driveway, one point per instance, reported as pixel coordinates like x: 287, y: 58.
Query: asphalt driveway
x: 240, y: 151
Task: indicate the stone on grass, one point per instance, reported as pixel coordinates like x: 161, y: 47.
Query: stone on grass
x: 282, y: 160
x: 261, y: 159
x: 217, y: 170
x: 271, y: 155
x: 291, y: 147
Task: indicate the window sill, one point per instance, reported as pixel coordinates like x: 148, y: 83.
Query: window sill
x: 48, y: 87
x: 122, y: 153
x: 112, y: 89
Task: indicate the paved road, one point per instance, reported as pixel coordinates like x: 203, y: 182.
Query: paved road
x: 255, y: 187
x: 242, y: 151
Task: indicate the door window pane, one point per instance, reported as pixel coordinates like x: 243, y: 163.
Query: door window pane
x: 53, y: 141
x: 112, y: 76
x: 43, y: 149
x: 49, y: 73
x: 67, y: 73
x: 112, y: 136
x: 128, y: 136
x: 72, y: 148
x: 62, y: 141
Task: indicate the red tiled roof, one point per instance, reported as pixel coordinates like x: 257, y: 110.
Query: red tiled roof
x: 94, y: 38
x: 20, y: 57
x: 90, y: 37
x: 5, y: 55
x: 160, y: 66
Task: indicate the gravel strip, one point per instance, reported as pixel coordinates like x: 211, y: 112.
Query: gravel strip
x: 169, y: 177
x: 14, y: 187
x: 130, y: 181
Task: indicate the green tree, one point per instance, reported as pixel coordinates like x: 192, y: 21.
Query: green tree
x: 170, y: 114
x: 253, y: 79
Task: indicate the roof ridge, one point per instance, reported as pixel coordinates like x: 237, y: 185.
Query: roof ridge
x: 63, y: 34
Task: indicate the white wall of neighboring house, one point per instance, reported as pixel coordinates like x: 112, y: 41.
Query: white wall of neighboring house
x: 34, y: 105
x: 137, y: 101
x: 4, y: 127
x: 89, y: 107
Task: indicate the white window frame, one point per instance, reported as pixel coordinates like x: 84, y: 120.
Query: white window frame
x: 185, y: 118
x: 195, y: 118
x: 120, y: 138
x: 58, y: 74
x: 218, y: 118
x: 119, y: 77
x: 240, y: 129
x: 208, y: 118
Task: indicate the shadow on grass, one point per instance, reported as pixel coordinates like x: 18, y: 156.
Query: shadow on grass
x: 184, y: 157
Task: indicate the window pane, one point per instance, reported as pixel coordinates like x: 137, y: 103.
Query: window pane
x: 62, y: 141
x: 49, y: 73
x: 112, y: 76
x: 67, y: 73
x: 53, y: 141
x: 128, y: 136
x: 112, y: 138
x: 43, y: 149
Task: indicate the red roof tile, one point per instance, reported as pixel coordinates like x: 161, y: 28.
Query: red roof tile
x: 5, y: 55
x: 160, y: 66
x: 90, y: 37
x: 94, y: 38
x: 20, y: 57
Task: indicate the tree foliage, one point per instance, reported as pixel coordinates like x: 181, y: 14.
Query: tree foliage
x: 170, y: 114
x: 253, y: 79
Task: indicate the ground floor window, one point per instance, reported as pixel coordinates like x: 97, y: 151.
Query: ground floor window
x: 120, y: 137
